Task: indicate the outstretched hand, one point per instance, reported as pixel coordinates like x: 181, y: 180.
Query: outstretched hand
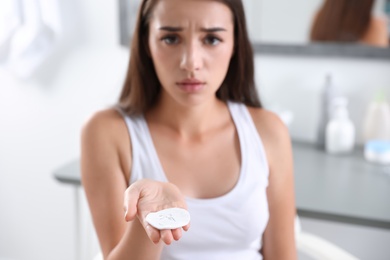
x: 146, y: 196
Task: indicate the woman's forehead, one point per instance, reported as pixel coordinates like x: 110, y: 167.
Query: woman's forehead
x: 183, y: 13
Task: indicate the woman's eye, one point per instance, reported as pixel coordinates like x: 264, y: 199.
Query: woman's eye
x: 212, y: 40
x: 171, y: 39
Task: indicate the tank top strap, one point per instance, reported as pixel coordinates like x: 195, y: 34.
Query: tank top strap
x: 144, y: 165
x: 250, y: 136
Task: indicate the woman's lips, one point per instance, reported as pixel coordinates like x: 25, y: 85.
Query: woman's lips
x: 191, y: 85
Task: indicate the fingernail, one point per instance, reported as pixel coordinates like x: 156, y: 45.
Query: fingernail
x: 126, y: 215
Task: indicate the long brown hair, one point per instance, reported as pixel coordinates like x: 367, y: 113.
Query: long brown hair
x: 142, y: 86
x: 342, y: 20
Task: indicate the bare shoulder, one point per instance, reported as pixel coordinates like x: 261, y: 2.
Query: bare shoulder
x: 379, y: 21
x: 273, y: 132
x: 378, y: 25
x: 377, y: 32
x: 105, y: 136
x: 269, y: 125
x: 103, y: 123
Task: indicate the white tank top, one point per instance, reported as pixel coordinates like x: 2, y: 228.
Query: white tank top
x: 226, y: 227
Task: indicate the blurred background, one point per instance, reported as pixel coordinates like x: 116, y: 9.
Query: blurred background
x: 60, y: 61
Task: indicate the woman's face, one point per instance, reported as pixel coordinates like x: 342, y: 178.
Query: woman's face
x: 191, y: 43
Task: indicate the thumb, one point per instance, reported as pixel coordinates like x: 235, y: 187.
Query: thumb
x: 132, y: 195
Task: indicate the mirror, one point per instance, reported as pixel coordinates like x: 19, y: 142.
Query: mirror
x: 290, y: 22
x: 280, y: 27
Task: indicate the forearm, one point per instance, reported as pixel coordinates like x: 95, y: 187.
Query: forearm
x: 135, y: 245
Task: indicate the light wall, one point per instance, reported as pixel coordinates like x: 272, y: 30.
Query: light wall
x: 41, y: 119
x: 296, y: 83
x: 40, y: 123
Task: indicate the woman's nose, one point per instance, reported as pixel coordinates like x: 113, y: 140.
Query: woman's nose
x: 191, y: 59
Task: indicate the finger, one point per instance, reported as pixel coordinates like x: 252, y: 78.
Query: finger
x: 166, y: 236
x: 130, y: 202
x: 186, y: 227
x: 176, y: 233
x: 153, y: 234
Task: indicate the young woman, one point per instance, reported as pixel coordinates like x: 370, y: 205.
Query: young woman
x: 189, y: 132
x: 350, y: 21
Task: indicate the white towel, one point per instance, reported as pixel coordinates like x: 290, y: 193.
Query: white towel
x: 10, y: 20
x: 32, y: 42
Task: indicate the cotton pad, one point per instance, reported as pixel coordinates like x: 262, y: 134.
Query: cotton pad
x: 170, y: 218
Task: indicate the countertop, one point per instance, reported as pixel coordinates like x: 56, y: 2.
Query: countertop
x: 343, y: 188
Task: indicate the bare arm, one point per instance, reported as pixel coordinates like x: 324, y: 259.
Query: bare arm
x: 104, y: 141
x: 278, y: 238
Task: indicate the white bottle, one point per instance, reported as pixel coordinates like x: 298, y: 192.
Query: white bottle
x: 376, y: 125
x: 327, y: 95
x: 340, y: 131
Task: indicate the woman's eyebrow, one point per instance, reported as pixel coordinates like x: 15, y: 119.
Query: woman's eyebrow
x: 171, y: 29
x: 213, y: 29
x: 178, y: 29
